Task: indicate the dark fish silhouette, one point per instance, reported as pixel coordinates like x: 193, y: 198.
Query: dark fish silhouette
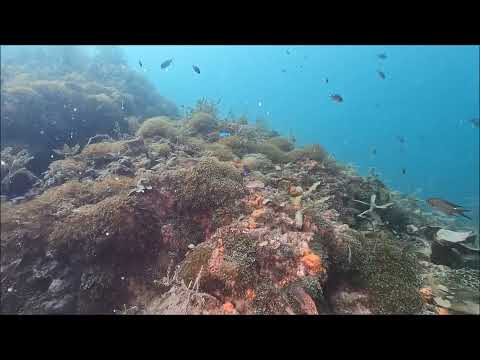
x: 404, y: 171
x: 374, y: 151
x: 326, y: 80
x: 166, y: 63
x: 283, y: 70
x: 337, y: 98
x: 447, y: 207
x: 196, y: 69
x: 140, y: 63
x: 288, y: 52
x: 381, y: 74
x: 475, y: 122
x: 382, y: 56
x: 401, y: 139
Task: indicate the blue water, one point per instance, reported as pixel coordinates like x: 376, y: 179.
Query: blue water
x: 429, y: 95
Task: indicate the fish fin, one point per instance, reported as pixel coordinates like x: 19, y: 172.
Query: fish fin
x: 456, y: 207
x: 462, y: 214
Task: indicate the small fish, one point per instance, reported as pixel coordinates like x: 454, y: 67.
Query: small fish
x: 224, y: 133
x: 447, y: 207
x: 326, y: 80
x: 404, y: 171
x: 475, y: 122
x: 196, y: 69
x: 401, y: 139
x: 374, y: 151
x: 381, y: 74
x: 382, y: 56
x: 284, y: 71
x: 166, y: 63
x: 140, y: 63
x: 288, y: 52
x: 337, y: 98
x: 246, y: 170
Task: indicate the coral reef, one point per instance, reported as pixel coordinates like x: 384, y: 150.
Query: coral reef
x: 209, y: 184
x: 220, y: 151
x: 160, y: 149
x: 160, y: 126
x: 257, y: 162
x: 282, y: 143
x: 272, y: 152
x: 238, y: 223
x: 16, y: 179
x: 202, y: 122
x: 58, y: 94
x: 314, y: 152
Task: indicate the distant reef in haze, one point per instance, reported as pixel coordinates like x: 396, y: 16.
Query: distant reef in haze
x: 53, y: 95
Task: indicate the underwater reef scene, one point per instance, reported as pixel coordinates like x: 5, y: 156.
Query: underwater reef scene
x: 113, y: 201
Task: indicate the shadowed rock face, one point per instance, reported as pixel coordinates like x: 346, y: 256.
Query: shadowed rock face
x: 18, y: 183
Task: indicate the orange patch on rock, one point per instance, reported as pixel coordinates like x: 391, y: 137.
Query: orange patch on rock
x: 309, y: 225
x: 216, y: 260
x: 442, y: 311
x: 256, y: 201
x: 294, y: 190
x: 228, y: 308
x: 258, y: 213
x: 250, y: 294
x: 312, y: 262
x: 237, y: 163
x: 426, y: 294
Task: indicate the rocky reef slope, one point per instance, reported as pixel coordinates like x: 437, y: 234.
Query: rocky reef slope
x: 203, y: 215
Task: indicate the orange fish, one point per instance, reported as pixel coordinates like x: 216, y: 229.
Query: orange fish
x: 447, y: 207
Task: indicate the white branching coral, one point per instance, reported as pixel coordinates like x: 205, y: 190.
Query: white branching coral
x: 374, y: 218
x: 67, y: 151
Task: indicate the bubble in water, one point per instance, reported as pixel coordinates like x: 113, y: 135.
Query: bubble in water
x: 260, y: 104
x: 75, y: 109
x: 51, y: 156
x: 42, y: 132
